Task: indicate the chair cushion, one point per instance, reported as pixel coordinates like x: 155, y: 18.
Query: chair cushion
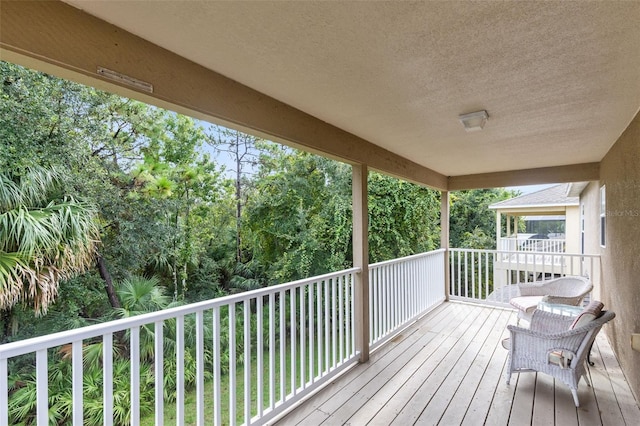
x: 561, y: 358
x: 588, y: 314
x: 526, y: 304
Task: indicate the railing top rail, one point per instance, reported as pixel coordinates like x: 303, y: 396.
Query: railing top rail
x: 519, y: 252
x: 404, y: 259
x: 22, y: 347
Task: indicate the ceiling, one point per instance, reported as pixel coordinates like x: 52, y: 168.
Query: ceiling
x: 559, y: 80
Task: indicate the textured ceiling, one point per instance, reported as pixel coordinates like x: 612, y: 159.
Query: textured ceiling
x: 560, y: 80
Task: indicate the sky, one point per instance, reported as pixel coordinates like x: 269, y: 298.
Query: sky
x: 527, y: 189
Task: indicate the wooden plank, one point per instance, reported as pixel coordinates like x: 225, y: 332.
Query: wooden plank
x: 565, y: 410
x: 439, y: 314
x: 627, y: 403
x: 544, y: 400
x: 344, y: 404
x: 314, y: 407
x: 459, y: 401
x: 588, y: 412
x: 394, y: 404
x: 522, y: 406
x: 413, y: 407
x: 368, y: 411
x: 500, y: 409
x: 608, y: 407
x: 377, y: 401
x: 493, y: 392
x: 352, y: 404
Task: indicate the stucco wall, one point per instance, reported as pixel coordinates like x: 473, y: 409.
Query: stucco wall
x: 620, y: 173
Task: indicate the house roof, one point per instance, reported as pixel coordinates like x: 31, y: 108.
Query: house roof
x: 555, y: 196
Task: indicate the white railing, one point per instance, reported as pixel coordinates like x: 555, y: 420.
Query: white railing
x: 296, y: 336
x: 401, y: 290
x: 271, y: 347
x: 550, y: 245
x: 490, y: 275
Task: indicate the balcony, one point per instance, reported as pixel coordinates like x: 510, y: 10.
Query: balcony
x: 431, y: 361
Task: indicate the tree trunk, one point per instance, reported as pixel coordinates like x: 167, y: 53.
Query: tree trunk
x: 108, y: 283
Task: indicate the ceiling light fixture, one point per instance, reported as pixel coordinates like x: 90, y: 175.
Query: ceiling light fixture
x: 125, y: 79
x: 474, y: 121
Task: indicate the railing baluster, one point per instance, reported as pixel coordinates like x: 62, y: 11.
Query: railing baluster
x: 200, y: 368
x: 76, y: 359
x: 4, y: 392
x: 353, y: 313
x: 473, y: 274
x: 459, y: 277
x: 320, y: 329
x: 107, y: 379
x: 347, y: 314
x: 384, y: 284
x: 481, y: 284
x: 180, y: 370
x: 217, y: 376
x: 259, y: 357
x: 42, y: 387
x: 247, y: 360
x: 334, y: 321
x: 303, y: 338
x: 272, y: 351
x: 312, y: 370
x: 293, y: 333
x: 232, y: 363
x: 159, y: 372
x: 486, y: 274
x: 327, y: 329
x: 341, y: 316
x: 282, y: 307
x: 135, y: 375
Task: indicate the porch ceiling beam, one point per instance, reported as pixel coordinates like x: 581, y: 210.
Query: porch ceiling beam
x: 74, y: 44
x: 560, y: 174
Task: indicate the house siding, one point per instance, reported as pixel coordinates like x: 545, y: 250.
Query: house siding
x: 620, y: 290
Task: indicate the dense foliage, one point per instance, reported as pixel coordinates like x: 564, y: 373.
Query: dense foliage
x: 155, y: 220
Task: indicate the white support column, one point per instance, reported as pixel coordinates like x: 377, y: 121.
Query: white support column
x: 361, y: 258
x: 498, y: 230
x: 444, y: 239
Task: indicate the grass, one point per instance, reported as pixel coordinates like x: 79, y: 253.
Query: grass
x: 190, y: 417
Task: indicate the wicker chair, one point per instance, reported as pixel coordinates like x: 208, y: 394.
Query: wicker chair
x: 569, y: 290
x: 550, y: 346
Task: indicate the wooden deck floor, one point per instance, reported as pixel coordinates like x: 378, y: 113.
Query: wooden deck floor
x: 448, y: 369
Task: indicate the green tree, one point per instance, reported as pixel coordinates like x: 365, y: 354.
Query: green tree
x: 44, y: 238
x: 404, y: 218
x: 471, y: 221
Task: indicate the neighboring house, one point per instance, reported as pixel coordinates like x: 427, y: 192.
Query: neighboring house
x: 551, y: 217
x: 553, y: 223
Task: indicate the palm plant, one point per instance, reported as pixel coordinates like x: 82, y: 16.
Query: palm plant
x: 43, y: 239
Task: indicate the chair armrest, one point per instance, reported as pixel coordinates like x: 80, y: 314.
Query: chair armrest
x: 527, y: 289
x: 574, y: 301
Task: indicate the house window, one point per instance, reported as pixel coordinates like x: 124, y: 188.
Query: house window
x: 603, y: 215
